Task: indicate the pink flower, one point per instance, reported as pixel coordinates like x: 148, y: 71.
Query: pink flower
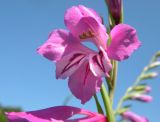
x: 56, y: 114
x: 83, y: 66
x: 128, y: 115
x: 142, y: 97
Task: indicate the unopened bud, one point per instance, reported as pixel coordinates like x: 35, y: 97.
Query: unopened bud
x: 149, y: 76
x: 142, y: 97
x: 115, y: 9
x: 133, y: 117
x: 154, y: 65
x: 142, y: 89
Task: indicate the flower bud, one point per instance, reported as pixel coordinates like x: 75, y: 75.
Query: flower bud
x: 128, y: 115
x: 142, y: 97
x: 115, y: 9
x: 142, y: 88
x: 154, y: 65
x: 149, y: 76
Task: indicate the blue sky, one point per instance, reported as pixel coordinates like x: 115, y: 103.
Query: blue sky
x: 28, y: 80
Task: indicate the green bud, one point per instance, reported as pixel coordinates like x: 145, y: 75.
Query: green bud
x: 139, y: 88
x: 153, y: 65
x: 149, y: 76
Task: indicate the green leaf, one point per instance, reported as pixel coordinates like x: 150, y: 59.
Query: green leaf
x: 7, y: 109
x: 99, y: 108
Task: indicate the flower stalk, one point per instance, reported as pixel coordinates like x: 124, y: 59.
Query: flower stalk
x: 114, y: 20
x: 111, y: 81
x: 107, y: 104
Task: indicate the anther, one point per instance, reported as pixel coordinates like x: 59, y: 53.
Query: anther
x: 86, y: 35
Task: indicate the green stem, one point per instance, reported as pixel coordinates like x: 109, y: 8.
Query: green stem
x: 107, y: 104
x: 99, y: 108
x: 120, y: 103
x: 114, y: 63
x: 114, y: 78
x: 111, y: 82
x: 122, y: 13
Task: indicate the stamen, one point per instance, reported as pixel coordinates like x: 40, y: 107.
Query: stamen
x: 91, y: 33
x: 83, y: 36
x: 86, y: 35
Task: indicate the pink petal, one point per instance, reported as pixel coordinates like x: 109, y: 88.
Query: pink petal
x: 59, y: 44
x: 85, y: 24
x: 94, y: 31
x: 100, y: 64
x: 55, y: 46
x: 69, y: 64
x: 72, y: 60
x: 75, y: 13
x: 90, y: 12
x: 83, y: 84
x: 55, y: 114
x: 124, y: 42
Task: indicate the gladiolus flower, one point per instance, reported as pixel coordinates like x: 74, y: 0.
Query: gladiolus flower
x: 56, y: 114
x: 128, y: 115
x: 83, y: 66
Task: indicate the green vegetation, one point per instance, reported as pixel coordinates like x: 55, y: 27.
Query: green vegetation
x: 7, y: 109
